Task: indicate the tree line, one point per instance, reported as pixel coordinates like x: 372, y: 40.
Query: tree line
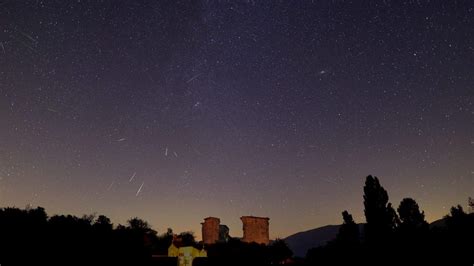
x: 401, y: 237
x: 28, y: 236
x: 389, y: 237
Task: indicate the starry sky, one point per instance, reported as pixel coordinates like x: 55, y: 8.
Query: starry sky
x: 173, y: 111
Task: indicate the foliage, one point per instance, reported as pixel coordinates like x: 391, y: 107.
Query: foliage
x: 391, y: 239
x: 30, y: 236
x: 410, y: 215
x: 380, y: 216
x: 188, y: 238
x: 279, y: 251
x: 348, y: 232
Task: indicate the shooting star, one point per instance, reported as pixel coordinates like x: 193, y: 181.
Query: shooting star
x: 110, y: 186
x: 120, y: 140
x: 140, y: 189
x: 52, y: 110
x: 3, y: 47
x: 329, y: 181
x: 28, y: 36
x: 132, y: 177
x: 194, y: 77
x: 166, y: 151
x: 28, y: 46
x: 175, y: 154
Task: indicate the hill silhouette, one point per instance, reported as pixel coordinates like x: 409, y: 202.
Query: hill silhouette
x: 301, y: 242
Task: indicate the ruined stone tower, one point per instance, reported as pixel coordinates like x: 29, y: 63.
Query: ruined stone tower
x: 255, y: 229
x: 210, y: 230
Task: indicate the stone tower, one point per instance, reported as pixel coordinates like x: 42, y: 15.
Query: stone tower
x: 255, y: 229
x: 210, y: 230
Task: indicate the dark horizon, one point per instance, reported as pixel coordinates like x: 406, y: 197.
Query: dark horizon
x: 173, y: 111
x: 31, y: 235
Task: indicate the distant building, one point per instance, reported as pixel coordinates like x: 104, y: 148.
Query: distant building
x: 210, y: 230
x: 255, y: 229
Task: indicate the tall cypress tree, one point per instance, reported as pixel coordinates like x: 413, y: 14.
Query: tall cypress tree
x: 380, y: 216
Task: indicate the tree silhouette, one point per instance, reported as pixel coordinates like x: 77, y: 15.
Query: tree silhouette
x: 136, y: 241
x: 22, y: 232
x: 139, y: 225
x: 103, y: 223
x: 412, y: 231
x: 279, y: 251
x: 28, y: 236
x: 162, y: 243
x: 380, y: 216
x: 348, y: 234
x: 410, y: 215
x: 187, y: 238
x: 456, y: 238
x: 459, y: 222
x: 457, y: 214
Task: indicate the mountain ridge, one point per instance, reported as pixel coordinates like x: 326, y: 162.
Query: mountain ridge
x: 301, y: 242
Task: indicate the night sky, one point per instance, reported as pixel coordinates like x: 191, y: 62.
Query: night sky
x: 173, y: 111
